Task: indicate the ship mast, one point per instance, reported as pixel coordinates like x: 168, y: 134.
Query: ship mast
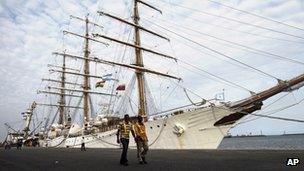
x: 139, y: 62
x: 86, y: 85
x: 86, y: 70
x: 29, y: 115
x: 62, y: 94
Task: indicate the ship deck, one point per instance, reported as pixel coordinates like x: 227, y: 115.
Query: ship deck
x: 108, y: 159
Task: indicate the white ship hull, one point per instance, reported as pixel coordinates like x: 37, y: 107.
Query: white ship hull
x: 199, y: 132
x: 55, y: 142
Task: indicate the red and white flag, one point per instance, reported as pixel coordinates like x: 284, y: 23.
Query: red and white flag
x: 121, y: 87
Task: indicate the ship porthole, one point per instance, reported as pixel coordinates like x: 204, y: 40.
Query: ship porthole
x: 157, y: 126
x: 151, y: 127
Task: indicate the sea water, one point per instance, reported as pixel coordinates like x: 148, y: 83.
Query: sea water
x: 283, y: 142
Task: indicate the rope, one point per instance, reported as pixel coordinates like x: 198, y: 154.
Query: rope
x: 280, y: 118
x: 150, y: 99
x: 195, y: 104
x: 53, y: 120
x: 105, y: 141
x: 57, y: 144
x: 188, y: 90
x: 162, y: 112
x: 63, y: 139
x: 234, y: 20
x: 160, y: 132
x: 222, y: 80
x: 215, y: 51
x: 131, y: 105
x: 169, y: 95
x: 256, y: 15
x: 283, y: 108
x: 245, y: 121
x: 247, y: 48
x: 35, y: 128
x: 234, y: 30
x: 153, y: 142
x: 272, y: 117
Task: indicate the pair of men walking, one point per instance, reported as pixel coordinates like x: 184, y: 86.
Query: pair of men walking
x: 140, y: 137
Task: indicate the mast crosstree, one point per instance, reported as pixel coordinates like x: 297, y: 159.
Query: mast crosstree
x: 106, y: 62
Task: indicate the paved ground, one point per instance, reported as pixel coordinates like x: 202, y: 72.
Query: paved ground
x: 107, y: 159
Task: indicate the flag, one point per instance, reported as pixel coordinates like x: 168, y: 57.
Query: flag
x: 220, y: 96
x: 107, y: 75
x: 100, y: 83
x: 107, y: 78
x: 121, y: 87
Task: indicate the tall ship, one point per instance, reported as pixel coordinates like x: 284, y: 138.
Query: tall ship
x: 92, y: 96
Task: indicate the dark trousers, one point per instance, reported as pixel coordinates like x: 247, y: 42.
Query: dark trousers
x: 125, y: 146
x: 83, y: 147
x: 19, y: 145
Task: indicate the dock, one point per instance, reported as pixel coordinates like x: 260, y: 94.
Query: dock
x: 108, y: 159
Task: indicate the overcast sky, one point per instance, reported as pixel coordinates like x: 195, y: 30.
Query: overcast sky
x: 32, y: 29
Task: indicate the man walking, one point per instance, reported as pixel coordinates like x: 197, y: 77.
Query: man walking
x: 141, y: 140
x: 123, y: 134
x: 19, y: 144
x: 82, y: 145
